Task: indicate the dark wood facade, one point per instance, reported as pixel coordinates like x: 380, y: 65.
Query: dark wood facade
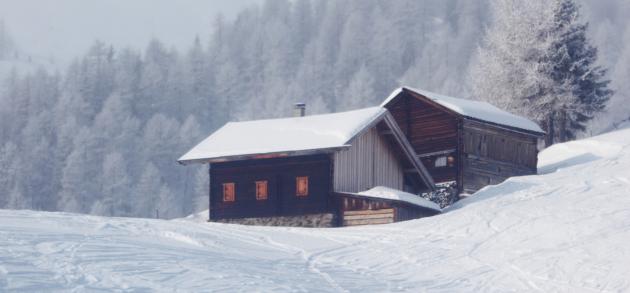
x: 455, y: 148
x: 282, y: 197
x: 490, y: 154
x: 432, y: 134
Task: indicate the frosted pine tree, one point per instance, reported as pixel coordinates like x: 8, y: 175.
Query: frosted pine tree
x: 9, y: 167
x: 507, y: 70
x: 115, y: 200
x: 146, y: 192
x: 580, y: 89
x: 360, y: 92
x: 167, y: 206
x: 79, y: 178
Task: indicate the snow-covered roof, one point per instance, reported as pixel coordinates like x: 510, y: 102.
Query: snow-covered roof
x: 473, y: 109
x: 270, y: 136
x: 383, y: 192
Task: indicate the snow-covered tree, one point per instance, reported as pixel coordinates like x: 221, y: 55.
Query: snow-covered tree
x: 580, y: 89
x: 167, y: 206
x: 10, y: 161
x: 146, y: 192
x: 115, y: 200
x: 7, y: 44
x: 202, y: 189
x: 80, y: 184
x: 508, y: 71
x: 360, y: 92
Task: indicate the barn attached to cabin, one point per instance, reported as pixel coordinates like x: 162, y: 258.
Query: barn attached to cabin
x: 467, y: 143
x: 311, y: 170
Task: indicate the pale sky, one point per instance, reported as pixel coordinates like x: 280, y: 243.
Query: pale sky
x: 63, y: 29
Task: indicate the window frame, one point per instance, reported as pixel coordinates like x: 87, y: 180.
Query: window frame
x: 260, y: 183
x: 301, y: 181
x: 440, y: 162
x: 226, y: 196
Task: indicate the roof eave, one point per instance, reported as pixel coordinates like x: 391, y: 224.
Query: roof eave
x: 258, y: 156
x: 508, y: 127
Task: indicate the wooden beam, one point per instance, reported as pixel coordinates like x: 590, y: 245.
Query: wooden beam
x: 409, y: 152
x: 375, y: 216
x: 386, y: 132
x: 368, y: 212
x: 444, y: 152
x: 367, y: 222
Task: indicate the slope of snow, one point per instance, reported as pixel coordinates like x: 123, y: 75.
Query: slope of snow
x: 474, y: 109
x: 284, y: 134
x: 565, y: 231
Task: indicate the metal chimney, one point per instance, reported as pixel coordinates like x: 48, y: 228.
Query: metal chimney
x: 299, y: 109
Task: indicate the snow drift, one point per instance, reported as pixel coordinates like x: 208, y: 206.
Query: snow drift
x: 565, y: 230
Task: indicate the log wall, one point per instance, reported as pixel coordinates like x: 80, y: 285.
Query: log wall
x: 431, y: 132
x: 491, y: 154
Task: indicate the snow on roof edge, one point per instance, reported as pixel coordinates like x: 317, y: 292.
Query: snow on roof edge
x: 369, y: 116
x: 391, y: 96
x: 383, y: 192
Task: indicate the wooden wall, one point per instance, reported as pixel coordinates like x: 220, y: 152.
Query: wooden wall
x: 368, y: 163
x: 429, y: 130
x: 356, y: 210
x: 280, y: 174
x: 491, y: 154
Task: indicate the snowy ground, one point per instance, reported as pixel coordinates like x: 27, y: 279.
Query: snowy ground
x: 567, y: 231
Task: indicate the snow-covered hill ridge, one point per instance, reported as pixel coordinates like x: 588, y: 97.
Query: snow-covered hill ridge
x: 566, y: 230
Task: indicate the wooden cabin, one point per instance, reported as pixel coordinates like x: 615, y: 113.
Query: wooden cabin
x: 467, y: 143
x: 311, y: 170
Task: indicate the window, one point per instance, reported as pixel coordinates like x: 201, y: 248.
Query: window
x: 440, y: 162
x: 261, y: 190
x: 451, y: 161
x: 228, y: 192
x: 301, y: 186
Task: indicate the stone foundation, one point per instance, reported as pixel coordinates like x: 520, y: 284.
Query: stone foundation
x: 312, y: 221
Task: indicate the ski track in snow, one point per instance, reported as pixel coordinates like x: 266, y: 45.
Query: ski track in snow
x: 565, y: 231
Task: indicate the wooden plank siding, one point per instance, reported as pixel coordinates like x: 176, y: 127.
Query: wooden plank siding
x: 491, y: 154
x: 280, y: 173
x: 429, y: 130
x: 352, y: 205
x: 483, y: 140
x: 368, y: 217
x: 369, y: 162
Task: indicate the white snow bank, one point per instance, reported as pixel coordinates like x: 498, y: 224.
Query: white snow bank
x: 474, y: 109
x: 564, y: 231
x: 394, y: 194
x: 199, y: 217
x: 284, y: 135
